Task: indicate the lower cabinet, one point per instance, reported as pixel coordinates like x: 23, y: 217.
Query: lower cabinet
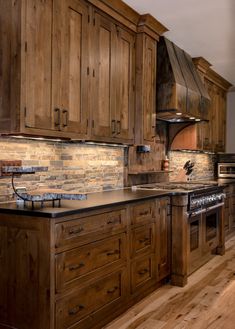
x: 81, y: 271
x: 229, y: 209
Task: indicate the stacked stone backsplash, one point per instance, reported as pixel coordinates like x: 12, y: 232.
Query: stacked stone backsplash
x: 71, y: 166
x: 204, y: 168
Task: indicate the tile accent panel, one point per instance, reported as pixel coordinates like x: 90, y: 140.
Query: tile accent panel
x: 204, y: 164
x: 71, y: 166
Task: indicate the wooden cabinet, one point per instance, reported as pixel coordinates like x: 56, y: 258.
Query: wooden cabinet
x: 51, y: 88
x: 113, y: 80
x: 229, y: 209
x: 146, y: 76
x: 211, y: 134
x: 81, y: 270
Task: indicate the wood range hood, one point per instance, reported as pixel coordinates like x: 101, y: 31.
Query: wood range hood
x: 181, y: 95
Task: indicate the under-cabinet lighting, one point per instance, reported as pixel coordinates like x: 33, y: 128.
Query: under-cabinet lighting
x: 178, y: 113
x: 192, y: 118
x: 198, y: 120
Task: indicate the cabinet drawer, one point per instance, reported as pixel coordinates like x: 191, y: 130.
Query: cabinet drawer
x: 143, y: 271
x: 106, y: 292
x: 142, y: 239
x: 83, y: 230
x: 143, y: 212
x: 74, y: 264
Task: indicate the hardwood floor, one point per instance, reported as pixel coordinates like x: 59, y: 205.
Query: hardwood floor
x: 207, y: 301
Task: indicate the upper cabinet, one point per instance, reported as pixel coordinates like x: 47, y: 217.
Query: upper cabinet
x: 212, y: 132
x: 113, y: 80
x: 51, y: 66
x: 148, y: 33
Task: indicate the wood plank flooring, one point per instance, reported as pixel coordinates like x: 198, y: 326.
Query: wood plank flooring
x: 207, y: 301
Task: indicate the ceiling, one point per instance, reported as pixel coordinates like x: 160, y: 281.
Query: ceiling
x: 201, y: 28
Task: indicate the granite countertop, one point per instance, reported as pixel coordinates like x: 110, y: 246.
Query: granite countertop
x: 93, y: 201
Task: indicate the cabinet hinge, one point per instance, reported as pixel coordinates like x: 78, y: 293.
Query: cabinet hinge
x: 88, y: 70
x: 25, y: 46
x: 93, y: 73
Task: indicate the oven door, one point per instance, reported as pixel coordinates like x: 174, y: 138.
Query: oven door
x: 194, y: 242
x: 211, y: 228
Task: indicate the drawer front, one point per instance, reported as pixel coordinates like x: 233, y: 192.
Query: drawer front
x: 86, y: 229
x: 143, y: 270
x: 142, y: 239
x: 109, y: 291
x: 143, y: 212
x: 76, y: 263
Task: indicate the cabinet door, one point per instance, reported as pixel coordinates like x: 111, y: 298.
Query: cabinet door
x: 103, y: 57
x: 124, y: 83
x: 221, y: 117
x: 70, y: 65
x: 163, y: 238
x: 149, y: 106
x: 207, y: 127
x: 36, y: 68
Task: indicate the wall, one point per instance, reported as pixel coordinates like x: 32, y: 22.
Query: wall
x: 78, y: 167
x: 230, y: 138
x: 203, y: 169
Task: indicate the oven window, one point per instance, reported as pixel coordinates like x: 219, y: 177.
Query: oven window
x: 194, y: 235
x: 211, y: 226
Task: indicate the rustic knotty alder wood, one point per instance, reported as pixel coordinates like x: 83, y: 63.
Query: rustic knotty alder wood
x: 82, y: 270
x: 206, y: 302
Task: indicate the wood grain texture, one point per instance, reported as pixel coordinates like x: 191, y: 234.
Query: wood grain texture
x: 206, y: 302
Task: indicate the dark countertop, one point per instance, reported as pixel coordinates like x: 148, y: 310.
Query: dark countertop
x: 93, y: 201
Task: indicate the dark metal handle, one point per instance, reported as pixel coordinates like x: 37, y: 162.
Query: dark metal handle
x: 143, y: 240
x: 118, y: 127
x: 144, y: 271
x: 76, y: 266
x: 57, y: 118
x: 144, y: 213
x: 112, y: 290
x: 76, y: 231
x: 76, y: 309
x: 113, y: 221
x: 66, y: 116
x: 112, y: 252
x: 113, y: 126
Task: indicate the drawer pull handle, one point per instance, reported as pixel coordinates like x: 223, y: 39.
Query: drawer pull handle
x: 143, y: 240
x: 144, y: 213
x: 112, y: 290
x: 113, y: 221
x: 76, y: 231
x: 113, y: 252
x: 144, y: 271
x: 76, y: 309
x: 76, y: 266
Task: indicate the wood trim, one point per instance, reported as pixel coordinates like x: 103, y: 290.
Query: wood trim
x: 218, y: 79
x: 201, y: 64
x: 118, y: 10
x: 149, y: 25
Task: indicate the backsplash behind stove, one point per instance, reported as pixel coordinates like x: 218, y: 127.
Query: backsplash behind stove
x: 204, y: 164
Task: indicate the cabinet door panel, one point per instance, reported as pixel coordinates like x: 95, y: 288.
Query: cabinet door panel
x: 37, y: 65
x: 103, y: 102
x: 124, y: 81
x: 70, y: 65
x: 150, y: 88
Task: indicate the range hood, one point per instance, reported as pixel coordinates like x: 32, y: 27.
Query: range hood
x: 181, y: 95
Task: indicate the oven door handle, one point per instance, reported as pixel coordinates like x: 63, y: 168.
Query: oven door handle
x: 197, y: 212
x: 215, y: 206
